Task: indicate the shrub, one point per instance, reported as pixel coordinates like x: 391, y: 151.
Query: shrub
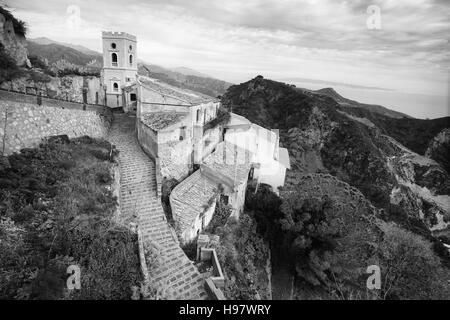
x: 8, y: 68
x: 20, y: 27
x: 37, y: 62
x: 56, y: 210
x: 410, y: 267
x: 243, y: 255
x: 220, y: 217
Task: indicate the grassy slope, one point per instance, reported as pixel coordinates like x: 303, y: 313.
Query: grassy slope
x: 56, y: 209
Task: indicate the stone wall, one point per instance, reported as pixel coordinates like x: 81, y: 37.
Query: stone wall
x: 25, y: 124
x: 174, y: 156
x: 68, y: 88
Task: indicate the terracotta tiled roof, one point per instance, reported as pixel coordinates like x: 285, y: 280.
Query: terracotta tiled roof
x: 229, y: 161
x: 161, y: 120
x: 190, y: 197
x: 184, y: 95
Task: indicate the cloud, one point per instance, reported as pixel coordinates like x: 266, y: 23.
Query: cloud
x: 235, y: 40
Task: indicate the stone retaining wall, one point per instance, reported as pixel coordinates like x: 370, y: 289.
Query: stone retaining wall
x: 24, y: 123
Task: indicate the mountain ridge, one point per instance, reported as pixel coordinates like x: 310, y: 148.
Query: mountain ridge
x: 322, y: 136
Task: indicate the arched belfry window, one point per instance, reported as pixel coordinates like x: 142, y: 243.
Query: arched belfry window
x: 114, y: 59
x: 115, y: 87
x: 131, y: 59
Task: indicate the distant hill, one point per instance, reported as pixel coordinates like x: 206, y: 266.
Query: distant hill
x: 189, y: 72
x: 360, y: 147
x: 344, y: 102
x: 45, y: 41
x: 206, y: 85
x: 54, y: 52
x: 182, y: 77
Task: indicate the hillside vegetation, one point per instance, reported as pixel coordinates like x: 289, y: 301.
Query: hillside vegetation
x: 410, y: 193
x: 57, y: 209
x: 329, y: 234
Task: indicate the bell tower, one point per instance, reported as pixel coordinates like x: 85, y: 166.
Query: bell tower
x: 119, y: 65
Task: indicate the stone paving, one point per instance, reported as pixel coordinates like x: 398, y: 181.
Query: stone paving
x: 175, y: 273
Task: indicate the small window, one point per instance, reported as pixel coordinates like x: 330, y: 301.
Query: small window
x: 198, y: 115
x: 131, y: 59
x: 114, y: 60
x: 130, y: 47
x: 133, y: 96
x: 115, y: 87
x: 113, y: 45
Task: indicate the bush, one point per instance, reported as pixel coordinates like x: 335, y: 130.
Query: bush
x: 411, y: 269
x: 20, y: 27
x: 56, y: 210
x: 39, y: 76
x: 220, y: 217
x: 8, y: 68
x: 243, y: 255
x: 37, y: 62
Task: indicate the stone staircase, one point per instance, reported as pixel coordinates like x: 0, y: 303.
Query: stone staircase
x: 174, y: 273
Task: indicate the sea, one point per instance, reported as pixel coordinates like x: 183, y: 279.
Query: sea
x: 416, y: 105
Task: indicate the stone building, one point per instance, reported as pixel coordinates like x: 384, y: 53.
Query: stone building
x: 223, y: 174
x: 119, y: 67
x: 172, y: 125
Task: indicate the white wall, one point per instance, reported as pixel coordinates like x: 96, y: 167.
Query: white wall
x: 191, y: 233
x: 263, y: 144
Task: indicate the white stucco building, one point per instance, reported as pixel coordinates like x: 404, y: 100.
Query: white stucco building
x: 270, y: 161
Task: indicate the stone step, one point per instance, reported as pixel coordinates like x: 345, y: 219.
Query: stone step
x: 139, y: 203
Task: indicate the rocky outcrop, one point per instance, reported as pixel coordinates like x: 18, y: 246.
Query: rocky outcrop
x: 14, y: 44
x: 439, y: 149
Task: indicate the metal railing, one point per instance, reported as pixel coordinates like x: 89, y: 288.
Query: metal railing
x: 42, y: 95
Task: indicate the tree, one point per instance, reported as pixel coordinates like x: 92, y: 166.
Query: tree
x: 410, y: 269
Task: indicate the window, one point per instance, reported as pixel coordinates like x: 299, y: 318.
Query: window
x: 114, y: 59
x: 115, y: 87
x: 130, y: 47
x: 113, y: 45
x: 133, y: 96
x: 128, y: 79
x: 182, y: 133
x: 198, y: 115
x: 131, y: 59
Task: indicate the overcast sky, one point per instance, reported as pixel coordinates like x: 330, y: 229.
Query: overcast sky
x: 236, y: 40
